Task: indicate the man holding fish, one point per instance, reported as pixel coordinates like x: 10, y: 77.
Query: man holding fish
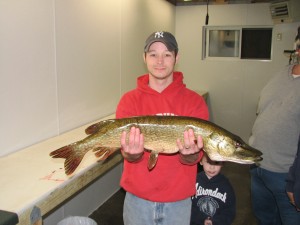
x: 161, y: 127
x: 162, y: 194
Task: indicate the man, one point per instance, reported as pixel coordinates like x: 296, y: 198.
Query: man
x: 163, y: 193
x: 276, y: 132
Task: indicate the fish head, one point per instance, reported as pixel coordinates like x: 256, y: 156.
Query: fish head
x: 224, y: 146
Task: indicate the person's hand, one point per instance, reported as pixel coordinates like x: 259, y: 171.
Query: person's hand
x: 207, y: 221
x: 134, y: 149
x: 292, y: 200
x: 189, y: 150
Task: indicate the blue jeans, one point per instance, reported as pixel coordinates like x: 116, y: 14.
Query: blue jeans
x: 138, y: 211
x: 270, y: 203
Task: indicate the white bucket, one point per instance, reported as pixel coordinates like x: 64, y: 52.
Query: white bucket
x: 77, y: 220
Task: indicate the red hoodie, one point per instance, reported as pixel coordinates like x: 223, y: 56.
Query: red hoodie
x: 169, y: 180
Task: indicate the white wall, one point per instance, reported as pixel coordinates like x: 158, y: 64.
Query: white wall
x: 233, y: 85
x: 66, y: 63
x: 28, y: 75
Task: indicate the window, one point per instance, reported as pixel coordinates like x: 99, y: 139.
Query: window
x: 237, y: 42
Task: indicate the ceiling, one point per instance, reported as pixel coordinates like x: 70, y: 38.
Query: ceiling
x: 204, y: 2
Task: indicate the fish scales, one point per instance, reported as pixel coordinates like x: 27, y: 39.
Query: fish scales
x: 160, y: 135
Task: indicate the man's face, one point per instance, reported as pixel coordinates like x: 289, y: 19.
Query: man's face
x: 160, y: 61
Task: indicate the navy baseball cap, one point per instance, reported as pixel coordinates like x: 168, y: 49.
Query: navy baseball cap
x: 162, y: 36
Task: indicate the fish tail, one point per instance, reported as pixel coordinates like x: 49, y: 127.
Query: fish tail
x: 73, y: 158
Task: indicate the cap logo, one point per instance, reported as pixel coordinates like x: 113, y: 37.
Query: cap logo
x: 162, y: 36
x: 159, y: 34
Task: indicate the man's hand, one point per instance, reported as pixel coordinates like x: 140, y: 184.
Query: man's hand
x: 134, y: 149
x: 292, y: 200
x: 189, y: 150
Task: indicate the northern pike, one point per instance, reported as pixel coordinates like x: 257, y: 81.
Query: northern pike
x: 160, y: 135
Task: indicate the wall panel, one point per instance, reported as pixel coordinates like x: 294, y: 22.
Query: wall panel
x: 88, y: 60
x: 28, y: 103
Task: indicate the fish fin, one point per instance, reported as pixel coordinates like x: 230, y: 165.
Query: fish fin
x: 72, y: 157
x: 152, y: 160
x: 94, y: 128
x: 104, y: 152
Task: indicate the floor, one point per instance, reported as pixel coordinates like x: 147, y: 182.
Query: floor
x: 110, y: 213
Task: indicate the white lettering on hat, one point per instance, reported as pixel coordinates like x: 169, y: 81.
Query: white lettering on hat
x: 159, y: 34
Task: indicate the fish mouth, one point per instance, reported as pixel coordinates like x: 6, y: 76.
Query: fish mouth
x: 246, y: 155
x: 236, y: 159
x: 245, y: 161
x: 240, y: 155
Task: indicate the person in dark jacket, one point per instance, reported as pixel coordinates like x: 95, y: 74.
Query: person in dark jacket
x: 293, y: 181
x: 214, y: 202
